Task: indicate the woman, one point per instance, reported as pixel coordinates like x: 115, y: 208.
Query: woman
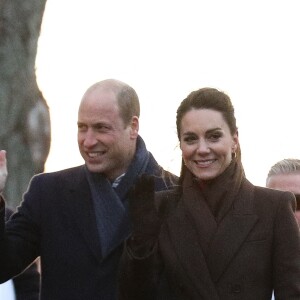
x: 216, y: 236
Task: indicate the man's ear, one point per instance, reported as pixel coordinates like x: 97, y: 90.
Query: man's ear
x: 134, y: 124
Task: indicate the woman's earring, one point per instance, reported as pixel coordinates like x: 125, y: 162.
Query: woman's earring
x: 233, y: 154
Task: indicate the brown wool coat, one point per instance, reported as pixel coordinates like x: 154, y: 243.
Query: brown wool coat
x: 254, y: 249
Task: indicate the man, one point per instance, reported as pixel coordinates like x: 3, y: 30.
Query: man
x: 285, y: 176
x: 76, y: 219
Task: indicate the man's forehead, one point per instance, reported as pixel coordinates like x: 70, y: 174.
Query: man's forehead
x: 99, y: 100
x: 286, y: 182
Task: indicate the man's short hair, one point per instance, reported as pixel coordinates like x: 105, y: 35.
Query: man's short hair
x: 285, y: 166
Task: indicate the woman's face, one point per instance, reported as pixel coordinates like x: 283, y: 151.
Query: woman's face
x: 206, y: 143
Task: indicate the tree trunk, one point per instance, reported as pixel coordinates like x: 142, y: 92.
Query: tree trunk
x: 24, y: 114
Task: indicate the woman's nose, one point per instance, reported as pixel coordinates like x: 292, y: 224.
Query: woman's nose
x: 203, y: 147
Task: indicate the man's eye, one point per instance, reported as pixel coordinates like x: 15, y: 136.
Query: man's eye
x: 102, y: 127
x: 81, y: 127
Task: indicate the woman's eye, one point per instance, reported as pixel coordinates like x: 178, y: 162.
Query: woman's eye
x: 190, y: 139
x: 215, y: 136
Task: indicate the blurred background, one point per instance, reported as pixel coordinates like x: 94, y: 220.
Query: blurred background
x: 162, y: 48
x: 165, y: 49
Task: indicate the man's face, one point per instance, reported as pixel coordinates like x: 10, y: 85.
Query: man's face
x: 105, y: 143
x: 286, y: 182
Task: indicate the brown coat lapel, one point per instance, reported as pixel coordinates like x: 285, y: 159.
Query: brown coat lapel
x: 220, y: 243
x: 180, y: 246
x: 232, y: 232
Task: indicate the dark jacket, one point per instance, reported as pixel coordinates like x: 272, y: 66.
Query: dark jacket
x: 57, y: 222
x: 255, y: 249
x: 26, y: 284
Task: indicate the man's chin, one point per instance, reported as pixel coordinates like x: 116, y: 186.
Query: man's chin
x: 94, y: 168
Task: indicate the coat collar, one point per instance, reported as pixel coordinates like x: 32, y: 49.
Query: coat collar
x: 228, y: 237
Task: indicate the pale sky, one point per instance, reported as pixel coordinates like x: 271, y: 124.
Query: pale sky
x: 165, y: 49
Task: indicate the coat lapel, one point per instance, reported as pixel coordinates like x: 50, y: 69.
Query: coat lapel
x: 179, y: 228
x: 80, y: 204
x: 226, y: 241
x: 232, y: 232
x: 205, y: 223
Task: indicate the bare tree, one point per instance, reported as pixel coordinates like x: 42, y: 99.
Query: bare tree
x: 24, y: 114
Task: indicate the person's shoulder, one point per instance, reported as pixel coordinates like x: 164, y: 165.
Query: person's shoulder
x: 272, y: 193
x: 264, y: 192
x: 59, y: 177
x: 276, y: 198
x: 265, y: 199
x: 61, y: 173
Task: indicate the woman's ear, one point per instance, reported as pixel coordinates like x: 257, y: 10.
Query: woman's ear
x: 235, y: 143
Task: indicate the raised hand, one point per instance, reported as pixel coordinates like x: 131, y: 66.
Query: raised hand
x: 3, y: 170
x: 144, y: 216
